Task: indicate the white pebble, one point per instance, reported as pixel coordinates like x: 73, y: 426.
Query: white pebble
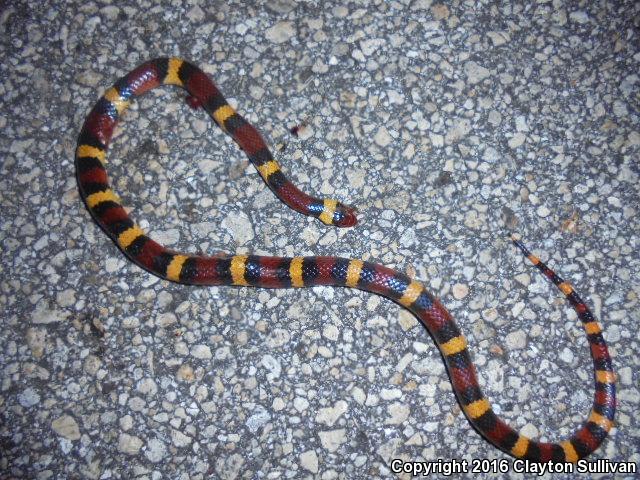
x: 330, y: 332
x: 382, y: 137
x: 156, y: 450
x: 147, y: 386
x: 239, y: 227
x: 28, y: 398
x: 460, y: 290
x: 179, y: 439
x: 280, y: 32
x: 200, y: 351
x: 309, y: 461
x: 300, y: 404
x: 475, y: 72
x: 66, y: 427
x: 330, y: 415
x: 273, y: 365
x: 566, y: 355
x: 390, y: 393
x: 517, y: 140
x: 358, y: 395
x: 332, y: 439
x: 516, y: 340
x: 543, y: 211
x: 398, y: 414
x: 129, y: 444
x: 499, y: 38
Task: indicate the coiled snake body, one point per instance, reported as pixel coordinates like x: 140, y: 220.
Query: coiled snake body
x: 277, y: 272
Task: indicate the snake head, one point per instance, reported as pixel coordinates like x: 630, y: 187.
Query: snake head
x: 344, y: 216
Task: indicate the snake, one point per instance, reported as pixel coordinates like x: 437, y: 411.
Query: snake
x: 108, y: 211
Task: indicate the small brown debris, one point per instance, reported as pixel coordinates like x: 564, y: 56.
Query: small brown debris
x: 496, y: 350
x: 299, y: 129
x: 185, y: 373
x: 571, y: 224
x: 97, y: 328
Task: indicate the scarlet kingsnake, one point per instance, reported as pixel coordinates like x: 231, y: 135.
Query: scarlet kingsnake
x: 277, y: 272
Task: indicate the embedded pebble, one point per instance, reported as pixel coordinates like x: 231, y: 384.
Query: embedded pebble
x: 530, y: 431
x: 625, y: 375
x: 185, y: 373
x: 36, y: 341
x: 196, y: 14
x: 278, y: 404
x: 272, y: 365
x: 332, y: 439
x: 92, y: 364
x: 440, y: 11
x: 280, y: 32
x: 516, y: 340
x: 309, y: 461
x: 475, y: 72
x: 328, y: 416
x: 331, y: 332
x: 45, y: 315
x: 499, y: 38
x: 300, y: 404
x: 239, y: 227
x: 147, y: 386
x: 129, y: 444
x: 566, y: 355
x: 407, y: 320
x: 517, y: 140
x: 29, y: 397
x: 521, y: 124
x: 202, y: 352
x: 397, y: 414
x: 460, y: 291
x: 579, y: 16
x: 67, y: 427
x: 390, y: 393
x: 613, y: 333
x: 382, y: 137
x: 258, y: 419
x: 155, y: 450
x: 166, y: 319
x: 126, y: 422
x: 359, y: 395
x: 179, y: 439
x: 543, y: 211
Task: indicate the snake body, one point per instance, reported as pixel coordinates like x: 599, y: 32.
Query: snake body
x: 278, y: 272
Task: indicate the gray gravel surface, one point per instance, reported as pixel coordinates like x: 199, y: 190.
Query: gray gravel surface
x: 447, y: 126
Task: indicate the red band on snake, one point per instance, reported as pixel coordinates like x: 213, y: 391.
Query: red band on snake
x: 277, y: 272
